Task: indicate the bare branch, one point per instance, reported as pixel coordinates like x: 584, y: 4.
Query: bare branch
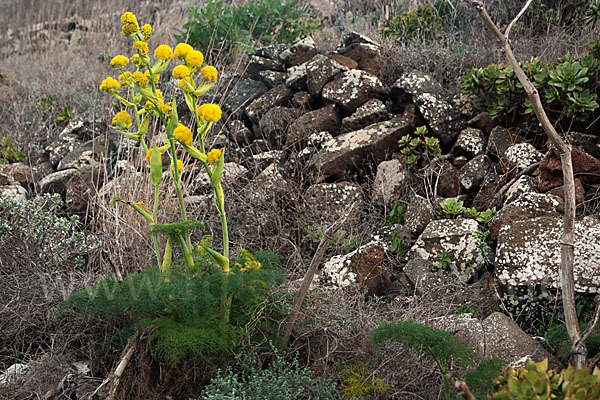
x: 509, y: 27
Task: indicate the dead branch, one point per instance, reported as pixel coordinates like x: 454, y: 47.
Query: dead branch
x: 567, y: 279
x: 310, y: 273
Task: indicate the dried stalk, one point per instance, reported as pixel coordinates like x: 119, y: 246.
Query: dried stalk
x: 310, y: 273
x: 567, y: 279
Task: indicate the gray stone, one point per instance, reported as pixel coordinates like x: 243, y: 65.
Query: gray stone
x: 468, y: 105
x: 257, y: 64
x: 324, y: 119
x: 296, y: 77
x: 272, y: 78
x: 419, y: 214
x: 242, y: 94
x: 524, y: 184
x: 231, y: 173
x: 354, y: 37
x: 472, y: 173
x: 498, y: 336
x: 522, y: 155
x: 453, y: 237
x: 500, y: 140
x: 300, y: 52
x: 278, y: 96
x: 389, y: 181
x: 319, y: 71
x: 267, y: 185
x: 352, y: 89
x: 95, y: 150
x: 371, y: 112
x: 240, y: 134
x: 273, y: 51
x: 13, y: 192
x: 14, y: 373
x: 325, y: 203
x: 77, y: 132
x: 275, y: 123
x: 528, y: 252
x: 354, y: 149
x: 16, y: 172
x: 470, y: 143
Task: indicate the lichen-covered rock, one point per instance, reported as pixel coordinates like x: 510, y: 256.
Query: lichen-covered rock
x: 296, y: 77
x: 275, y: 123
x: 267, y: 185
x: 472, y: 174
x: 500, y: 140
x: 367, y: 55
x: 16, y: 172
x: 389, y: 181
x: 324, y: 119
x: 272, y: 78
x: 258, y: 64
x: 522, y: 155
x: 325, y: 203
x: 344, y: 61
x: 242, y: 94
x: 470, y: 143
x: 585, y: 167
x: 419, y: 214
x: 13, y: 192
x: 498, y: 336
x: 278, y: 96
x: 454, y: 237
x: 351, y: 89
x: 96, y: 150
x: 354, y: 37
x: 469, y: 106
x: 299, y: 52
x: 528, y: 205
x: 239, y: 132
x: 346, y: 152
x: 319, y: 71
x: 369, y: 113
x: 363, y: 268
x: 524, y: 184
x: 528, y: 252
x: 430, y: 98
x: 273, y: 51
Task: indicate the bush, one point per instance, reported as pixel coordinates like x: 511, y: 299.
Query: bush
x: 280, y: 380
x: 187, y: 309
x: 241, y: 27
x: 8, y: 151
x: 422, y: 25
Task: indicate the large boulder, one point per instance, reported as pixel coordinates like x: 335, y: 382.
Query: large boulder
x: 498, y: 336
x: 346, y: 152
x: 352, y: 89
x: 528, y: 253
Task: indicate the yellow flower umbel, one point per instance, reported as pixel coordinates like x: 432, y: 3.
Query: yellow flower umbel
x: 181, y: 50
x: 122, y: 119
x: 163, y: 52
x: 183, y: 135
x: 119, y: 62
x: 194, y: 59
x: 209, y: 112
x: 146, y: 31
x: 139, y: 61
x: 129, y: 24
x: 141, y: 79
x: 209, y: 73
x: 213, y: 156
x: 180, y: 72
x: 110, y: 85
x: 126, y: 79
x: 141, y: 47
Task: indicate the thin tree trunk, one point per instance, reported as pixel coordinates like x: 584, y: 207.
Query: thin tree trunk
x: 567, y: 280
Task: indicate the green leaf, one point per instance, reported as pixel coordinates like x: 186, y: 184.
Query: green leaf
x: 156, y: 166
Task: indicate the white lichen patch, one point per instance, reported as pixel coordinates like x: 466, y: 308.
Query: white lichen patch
x: 470, y: 141
x: 525, y: 184
x: 528, y: 252
x: 522, y: 155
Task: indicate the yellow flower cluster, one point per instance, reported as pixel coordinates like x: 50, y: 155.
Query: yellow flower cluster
x: 138, y: 61
x: 126, y: 79
x: 141, y: 79
x: 180, y: 72
x: 194, y: 59
x: 119, y: 62
x: 179, y: 167
x: 213, y: 156
x: 146, y: 31
x: 183, y: 86
x: 122, y: 119
x: 210, y: 112
x: 141, y: 47
x: 147, y: 73
x: 129, y: 24
x: 183, y: 135
x: 209, y: 73
x: 163, y: 52
x: 181, y: 50
x: 109, y: 85
x: 148, y: 156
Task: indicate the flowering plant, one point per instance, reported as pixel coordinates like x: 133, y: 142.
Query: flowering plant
x: 136, y: 91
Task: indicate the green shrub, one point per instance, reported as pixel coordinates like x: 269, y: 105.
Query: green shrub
x: 423, y: 25
x: 242, y: 27
x: 481, y: 380
x: 559, y: 343
x: 359, y: 383
x: 8, y: 151
x: 536, y: 382
x: 280, y: 380
x: 187, y: 309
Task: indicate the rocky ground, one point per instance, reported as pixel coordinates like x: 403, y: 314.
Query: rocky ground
x: 312, y: 135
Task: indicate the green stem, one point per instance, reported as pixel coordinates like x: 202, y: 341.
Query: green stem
x: 178, y: 191
x: 155, y: 235
x: 187, y: 256
x: 442, y: 370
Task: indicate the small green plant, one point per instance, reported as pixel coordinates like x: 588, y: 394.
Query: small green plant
x: 396, y: 214
x: 444, y: 261
x: 279, y: 380
x: 483, y: 243
x: 65, y: 115
x: 536, y: 382
x: 8, y: 151
x: 47, y: 101
x: 422, y: 25
x: 240, y: 27
x: 419, y: 147
x: 397, y: 241
x: 359, y: 383
x: 464, y: 309
x: 436, y: 343
x: 451, y: 208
